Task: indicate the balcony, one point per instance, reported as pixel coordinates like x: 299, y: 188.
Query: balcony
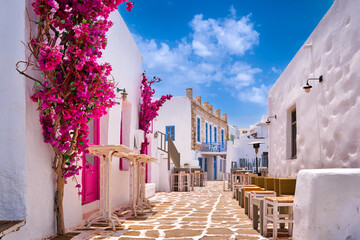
x: 214, y: 147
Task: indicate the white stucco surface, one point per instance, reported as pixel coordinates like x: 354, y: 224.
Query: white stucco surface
x: 328, y: 131
x: 27, y: 182
x: 327, y: 204
x: 12, y: 107
x: 126, y: 61
x: 177, y: 112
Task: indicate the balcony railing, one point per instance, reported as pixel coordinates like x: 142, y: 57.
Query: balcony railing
x: 214, y: 147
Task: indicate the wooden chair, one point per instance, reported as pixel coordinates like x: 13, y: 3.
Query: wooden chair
x: 273, y: 215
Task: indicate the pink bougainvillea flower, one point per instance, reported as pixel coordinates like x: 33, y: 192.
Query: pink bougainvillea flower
x: 129, y: 6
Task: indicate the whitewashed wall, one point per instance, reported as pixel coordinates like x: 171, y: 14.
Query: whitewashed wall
x: 177, y: 112
x: 26, y: 179
x: 12, y: 107
x: 126, y: 61
x: 328, y: 132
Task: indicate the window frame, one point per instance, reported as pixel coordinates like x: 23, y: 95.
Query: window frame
x: 198, y: 129
x: 215, y: 133
x: 206, y: 132
x: 171, y: 131
x: 222, y: 135
x: 293, y: 134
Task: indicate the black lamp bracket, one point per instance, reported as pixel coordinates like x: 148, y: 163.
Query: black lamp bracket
x: 320, y: 79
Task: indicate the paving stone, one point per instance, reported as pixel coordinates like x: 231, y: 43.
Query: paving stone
x: 182, y: 233
x: 152, y: 233
x: 222, y: 231
x: 132, y: 233
x: 216, y: 237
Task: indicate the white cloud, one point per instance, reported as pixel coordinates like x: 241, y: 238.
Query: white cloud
x: 275, y: 70
x: 209, y: 54
x: 223, y: 36
x: 255, y: 95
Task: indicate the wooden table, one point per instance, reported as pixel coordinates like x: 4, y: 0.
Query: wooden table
x: 106, y: 153
x: 138, y: 162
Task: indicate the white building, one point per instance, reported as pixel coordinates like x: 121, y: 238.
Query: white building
x: 26, y: 177
x: 319, y: 129
x: 199, y: 134
x: 242, y: 154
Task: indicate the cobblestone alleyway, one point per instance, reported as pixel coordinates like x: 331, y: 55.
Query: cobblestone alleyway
x: 205, y: 213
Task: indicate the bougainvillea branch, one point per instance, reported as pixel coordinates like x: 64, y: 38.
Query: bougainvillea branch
x: 149, y: 108
x: 73, y: 87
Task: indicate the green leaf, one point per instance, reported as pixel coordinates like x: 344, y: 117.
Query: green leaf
x: 62, y: 21
x: 81, y: 142
x: 37, y: 84
x: 72, y: 83
x: 67, y: 157
x: 57, y: 18
x: 93, y: 48
x: 73, y: 88
x: 67, y: 163
x: 118, y: 103
x: 41, y: 6
x: 84, y: 21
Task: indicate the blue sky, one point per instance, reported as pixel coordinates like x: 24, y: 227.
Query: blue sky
x: 230, y: 52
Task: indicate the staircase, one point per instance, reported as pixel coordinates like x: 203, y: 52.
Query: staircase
x: 169, y: 148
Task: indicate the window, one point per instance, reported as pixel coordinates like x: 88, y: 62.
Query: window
x: 293, y: 134
x: 222, y: 135
x: 170, y: 130
x: 206, y: 132
x: 221, y: 165
x: 215, y: 134
x: 210, y: 133
x: 198, y: 130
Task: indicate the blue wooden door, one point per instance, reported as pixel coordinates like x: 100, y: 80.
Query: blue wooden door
x: 215, y: 169
x: 205, y: 164
x: 200, y: 162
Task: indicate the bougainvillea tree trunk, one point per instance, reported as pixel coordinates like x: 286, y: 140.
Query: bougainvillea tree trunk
x: 74, y: 88
x: 59, y: 206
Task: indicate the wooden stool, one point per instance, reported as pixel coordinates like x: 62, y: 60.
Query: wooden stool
x: 258, y: 195
x: 245, y: 200
x: 272, y: 214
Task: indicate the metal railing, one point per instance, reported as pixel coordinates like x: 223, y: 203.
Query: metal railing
x: 214, y: 147
x: 167, y: 145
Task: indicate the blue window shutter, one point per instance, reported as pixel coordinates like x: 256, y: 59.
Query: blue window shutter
x: 206, y: 132
x: 198, y: 129
x: 172, y: 133
x: 170, y: 130
x: 210, y: 133
x: 215, y: 134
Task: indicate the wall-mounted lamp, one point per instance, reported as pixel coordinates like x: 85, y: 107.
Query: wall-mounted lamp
x: 268, y: 119
x: 307, y: 87
x: 123, y: 94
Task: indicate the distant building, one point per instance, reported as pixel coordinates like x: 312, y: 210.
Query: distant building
x: 200, y: 135
x: 243, y: 131
x: 241, y: 154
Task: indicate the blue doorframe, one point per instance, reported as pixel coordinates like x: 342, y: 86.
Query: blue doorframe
x: 215, y: 169
x: 205, y: 164
x: 200, y: 162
